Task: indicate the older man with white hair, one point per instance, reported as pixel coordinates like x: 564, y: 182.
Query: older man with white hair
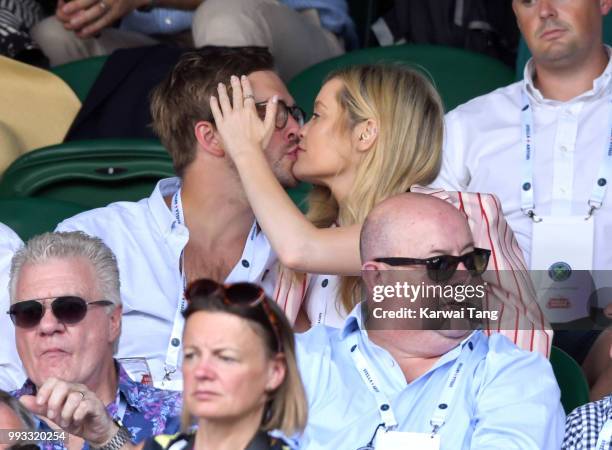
x: 66, y: 307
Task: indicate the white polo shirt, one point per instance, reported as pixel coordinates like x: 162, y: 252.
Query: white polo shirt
x: 483, y: 153
x: 148, y: 242
x: 12, y: 375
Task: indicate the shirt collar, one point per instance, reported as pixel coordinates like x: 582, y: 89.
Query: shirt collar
x: 161, y: 213
x: 129, y: 390
x: 354, y: 322
x: 600, y: 84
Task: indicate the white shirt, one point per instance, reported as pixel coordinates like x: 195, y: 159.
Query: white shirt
x: 483, y: 153
x: 148, y: 242
x: 12, y: 375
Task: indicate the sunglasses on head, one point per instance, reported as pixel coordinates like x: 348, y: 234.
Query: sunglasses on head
x: 282, y: 113
x: 66, y: 309
x: 237, y: 294
x: 443, y: 267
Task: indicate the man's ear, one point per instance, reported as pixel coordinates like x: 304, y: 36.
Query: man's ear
x: 371, y: 273
x: 115, y: 322
x: 604, y: 6
x: 365, y: 134
x: 208, y: 138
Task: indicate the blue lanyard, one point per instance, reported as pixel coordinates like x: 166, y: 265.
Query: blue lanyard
x: 527, y: 131
x: 368, y: 376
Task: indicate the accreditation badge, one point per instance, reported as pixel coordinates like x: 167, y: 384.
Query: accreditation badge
x: 561, y: 260
x: 402, y: 440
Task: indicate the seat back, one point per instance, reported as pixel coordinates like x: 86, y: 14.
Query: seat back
x: 80, y: 75
x: 571, y: 379
x: 459, y: 75
x: 89, y: 173
x: 32, y: 216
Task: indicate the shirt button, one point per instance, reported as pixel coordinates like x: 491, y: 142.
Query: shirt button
x: 325, y: 282
x: 175, y: 342
x: 168, y: 21
x: 563, y: 190
x: 563, y: 148
x: 245, y: 263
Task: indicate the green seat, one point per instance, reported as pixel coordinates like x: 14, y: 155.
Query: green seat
x: 31, y: 216
x: 459, y: 75
x: 95, y: 173
x: 80, y: 75
x: 571, y: 379
x: 89, y: 173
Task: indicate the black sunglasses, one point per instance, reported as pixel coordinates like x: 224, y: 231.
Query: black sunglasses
x: 66, y: 309
x: 282, y: 113
x: 237, y: 294
x: 443, y: 267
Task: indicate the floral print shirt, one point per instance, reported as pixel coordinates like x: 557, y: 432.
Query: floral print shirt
x: 146, y: 411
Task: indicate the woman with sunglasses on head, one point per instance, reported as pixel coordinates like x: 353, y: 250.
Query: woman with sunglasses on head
x: 240, y: 378
x: 376, y: 131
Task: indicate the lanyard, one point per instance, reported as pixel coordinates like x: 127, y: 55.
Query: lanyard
x: 605, y: 436
x: 527, y: 131
x: 384, y: 405
x: 172, y: 354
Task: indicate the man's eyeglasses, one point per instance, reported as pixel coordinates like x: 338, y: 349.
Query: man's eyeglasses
x: 66, y: 309
x: 443, y: 267
x: 237, y: 294
x: 282, y: 113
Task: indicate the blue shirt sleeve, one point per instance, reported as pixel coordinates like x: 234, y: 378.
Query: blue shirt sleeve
x: 513, y: 415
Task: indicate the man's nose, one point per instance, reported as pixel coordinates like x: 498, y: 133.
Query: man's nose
x: 49, y: 323
x: 547, y: 8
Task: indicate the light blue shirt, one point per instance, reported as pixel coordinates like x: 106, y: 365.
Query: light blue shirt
x: 334, y: 16
x: 506, y: 399
x: 158, y: 21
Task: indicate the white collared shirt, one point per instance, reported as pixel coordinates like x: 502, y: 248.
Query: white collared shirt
x: 483, y: 153
x: 148, y: 242
x: 12, y: 375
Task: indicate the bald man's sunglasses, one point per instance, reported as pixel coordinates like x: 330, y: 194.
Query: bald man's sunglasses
x: 443, y: 267
x: 66, y: 309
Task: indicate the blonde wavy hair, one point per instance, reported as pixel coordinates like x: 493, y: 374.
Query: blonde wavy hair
x: 408, y: 149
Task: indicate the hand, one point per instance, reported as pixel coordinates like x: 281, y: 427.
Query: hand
x: 88, y: 18
x: 74, y: 408
x: 238, y: 124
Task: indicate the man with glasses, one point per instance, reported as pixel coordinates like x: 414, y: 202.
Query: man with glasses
x: 200, y: 224
x: 390, y: 382
x: 66, y: 307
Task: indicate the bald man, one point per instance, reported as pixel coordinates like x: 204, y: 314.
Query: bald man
x: 393, y: 387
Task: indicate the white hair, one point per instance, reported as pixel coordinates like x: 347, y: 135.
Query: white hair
x: 64, y: 245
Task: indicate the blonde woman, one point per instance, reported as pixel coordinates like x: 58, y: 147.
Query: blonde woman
x: 376, y: 131
x: 240, y: 376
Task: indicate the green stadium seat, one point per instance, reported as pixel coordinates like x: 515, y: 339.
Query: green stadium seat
x: 571, y: 379
x: 95, y: 173
x: 89, y: 173
x: 31, y: 216
x: 80, y: 75
x: 459, y: 75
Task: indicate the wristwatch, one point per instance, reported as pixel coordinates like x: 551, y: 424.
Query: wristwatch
x: 120, y: 438
x: 148, y: 7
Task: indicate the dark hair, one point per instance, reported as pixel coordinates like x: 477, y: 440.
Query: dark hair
x: 27, y: 422
x: 287, y: 407
x: 182, y: 98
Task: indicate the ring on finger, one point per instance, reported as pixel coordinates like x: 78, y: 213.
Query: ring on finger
x: 103, y: 5
x: 250, y: 96
x: 82, y: 395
